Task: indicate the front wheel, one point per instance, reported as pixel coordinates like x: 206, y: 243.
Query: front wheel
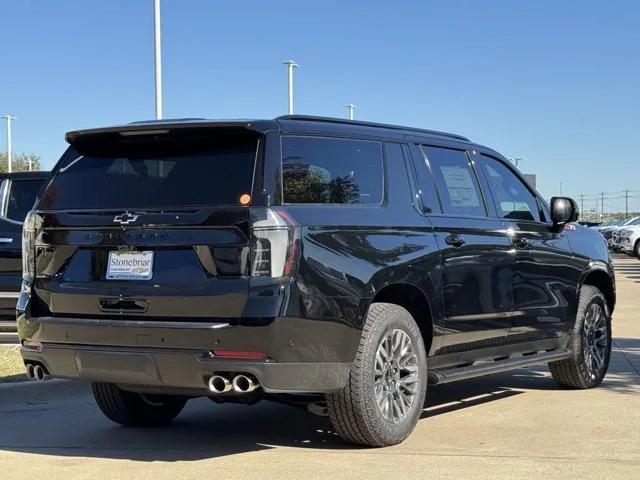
x: 383, y: 399
x: 135, y: 409
x: 590, y: 344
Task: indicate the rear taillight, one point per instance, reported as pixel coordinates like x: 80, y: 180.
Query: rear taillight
x: 28, y: 247
x: 274, y: 245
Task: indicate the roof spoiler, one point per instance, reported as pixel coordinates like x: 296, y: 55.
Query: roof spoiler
x: 166, y: 126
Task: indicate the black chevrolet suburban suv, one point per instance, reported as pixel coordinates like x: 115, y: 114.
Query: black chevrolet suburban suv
x: 339, y: 263
x: 18, y: 192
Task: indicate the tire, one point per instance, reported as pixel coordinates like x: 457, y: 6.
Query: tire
x: 134, y: 409
x: 357, y: 412
x: 585, y: 368
x: 636, y: 249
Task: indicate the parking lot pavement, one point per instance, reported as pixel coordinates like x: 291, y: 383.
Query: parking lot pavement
x: 516, y: 425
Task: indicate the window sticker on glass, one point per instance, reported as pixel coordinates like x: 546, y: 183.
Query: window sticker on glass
x: 460, y: 186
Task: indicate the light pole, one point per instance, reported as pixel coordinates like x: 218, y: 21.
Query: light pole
x: 351, y: 108
x: 516, y: 161
x: 158, y: 57
x: 290, y: 66
x: 9, y: 152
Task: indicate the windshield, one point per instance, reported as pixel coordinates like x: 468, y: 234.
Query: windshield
x: 214, y: 171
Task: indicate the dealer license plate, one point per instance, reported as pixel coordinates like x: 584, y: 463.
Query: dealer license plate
x: 130, y: 265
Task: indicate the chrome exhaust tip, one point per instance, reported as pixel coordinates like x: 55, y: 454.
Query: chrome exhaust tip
x: 38, y: 373
x: 29, y: 368
x: 244, y: 384
x: 219, y: 384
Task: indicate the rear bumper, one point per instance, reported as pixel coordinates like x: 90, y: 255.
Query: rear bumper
x: 305, y: 356
x: 180, y: 371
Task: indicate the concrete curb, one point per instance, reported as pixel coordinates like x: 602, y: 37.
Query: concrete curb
x: 41, y: 393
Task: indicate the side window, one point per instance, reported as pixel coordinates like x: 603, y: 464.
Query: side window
x: 512, y: 197
x: 425, y: 189
x: 331, y: 170
x: 21, y: 198
x: 456, y: 182
x: 545, y: 213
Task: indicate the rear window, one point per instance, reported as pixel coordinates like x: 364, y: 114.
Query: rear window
x: 22, y: 196
x: 165, y: 173
x: 331, y: 170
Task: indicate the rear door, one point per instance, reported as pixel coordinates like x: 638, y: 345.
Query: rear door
x: 474, y: 252
x: 155, y: 228
x: 545, y: 280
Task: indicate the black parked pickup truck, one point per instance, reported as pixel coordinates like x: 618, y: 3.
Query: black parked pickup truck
x: 17, y: 195
x: 338, y: 263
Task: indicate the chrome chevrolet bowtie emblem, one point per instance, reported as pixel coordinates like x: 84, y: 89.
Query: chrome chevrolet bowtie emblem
x: 125, y: 218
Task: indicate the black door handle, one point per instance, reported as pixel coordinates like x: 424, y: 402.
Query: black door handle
x: 520, y: 242
x: 454, y: 241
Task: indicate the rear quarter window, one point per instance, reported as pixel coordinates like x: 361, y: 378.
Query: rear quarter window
x: 331, y: 170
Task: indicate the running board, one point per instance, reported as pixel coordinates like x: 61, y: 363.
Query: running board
x: 497, y: 366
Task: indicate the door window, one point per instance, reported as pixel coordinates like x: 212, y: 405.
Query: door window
x: 513, y: 199
x: 456, y: 182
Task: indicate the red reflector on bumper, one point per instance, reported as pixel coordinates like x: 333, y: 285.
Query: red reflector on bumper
x: 242, y: 354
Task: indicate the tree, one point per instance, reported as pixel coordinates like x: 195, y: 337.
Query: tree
x: 19, y: 162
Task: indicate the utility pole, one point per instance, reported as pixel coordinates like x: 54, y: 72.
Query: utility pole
x: 351, y: 108
x: 626, y: 204
x: 290, y: 66
x: 602, y: 202
x: 157, y: 44
x: 582, y: 204
x: 9, y: 151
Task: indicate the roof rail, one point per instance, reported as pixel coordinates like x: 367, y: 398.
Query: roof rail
x: 312, y: 118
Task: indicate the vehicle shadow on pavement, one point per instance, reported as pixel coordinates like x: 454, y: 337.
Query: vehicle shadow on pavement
x: 73, y: 426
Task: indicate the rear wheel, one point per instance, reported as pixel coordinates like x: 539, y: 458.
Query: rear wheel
x: 636, y: 249
x: 590, y: 344
x: 135, y: 409
x: 383, y: 399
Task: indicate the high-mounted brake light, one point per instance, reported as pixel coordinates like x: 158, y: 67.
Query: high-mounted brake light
x: 135, y: 133
x: 274, y: 248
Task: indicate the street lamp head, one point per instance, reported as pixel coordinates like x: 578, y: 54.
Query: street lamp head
x: 290, y: 63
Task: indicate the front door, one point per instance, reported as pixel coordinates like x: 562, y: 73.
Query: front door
x: 544, y: 279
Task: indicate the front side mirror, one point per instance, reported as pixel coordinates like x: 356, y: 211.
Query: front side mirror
x: 563, y: 210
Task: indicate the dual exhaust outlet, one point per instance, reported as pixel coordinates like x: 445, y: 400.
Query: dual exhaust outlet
x: 37, y: 372
x: 240, y: 384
